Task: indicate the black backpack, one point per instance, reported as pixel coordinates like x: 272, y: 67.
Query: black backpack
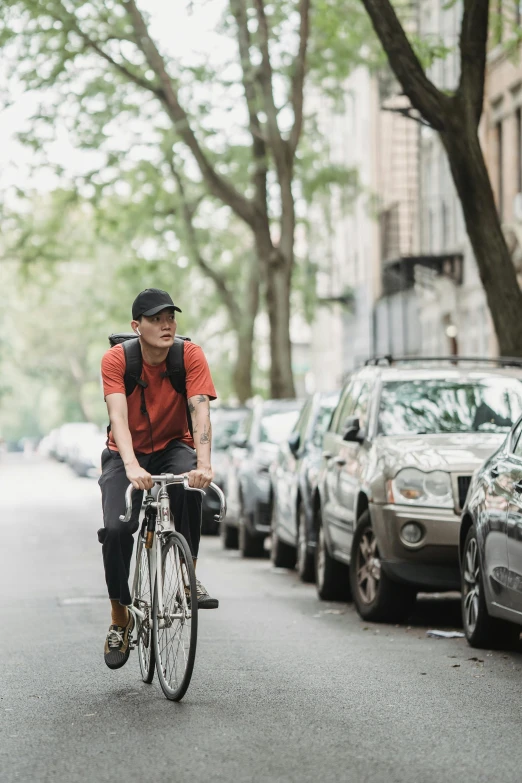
x: 134, y: 365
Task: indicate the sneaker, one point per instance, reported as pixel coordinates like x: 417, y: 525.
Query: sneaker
x: 117, y: 644
x: 204, y: 600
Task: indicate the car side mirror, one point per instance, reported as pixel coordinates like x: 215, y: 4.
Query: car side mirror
x: 294, y: 441
x: 352, y: 430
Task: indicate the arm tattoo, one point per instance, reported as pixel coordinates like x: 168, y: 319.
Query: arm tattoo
x: 202, y: 398
x: 205, y: 438
x: 191, y: 408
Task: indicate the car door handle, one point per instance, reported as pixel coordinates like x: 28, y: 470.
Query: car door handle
x: 340, y: 461
x: 327, y: 455
x: 494, y: 471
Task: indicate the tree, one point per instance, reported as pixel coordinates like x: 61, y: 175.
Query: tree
x: 456, y: 117
x: 67, y: 35
x: 102, y: 62
x: 71, y: 281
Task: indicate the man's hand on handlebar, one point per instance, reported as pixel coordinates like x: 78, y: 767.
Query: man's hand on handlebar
x: 138, y: 476
x: 200, y: 478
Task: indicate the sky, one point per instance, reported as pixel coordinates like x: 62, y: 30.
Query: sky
x: 184, y: 34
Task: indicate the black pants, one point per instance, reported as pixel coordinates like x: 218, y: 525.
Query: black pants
x: 116, y: 537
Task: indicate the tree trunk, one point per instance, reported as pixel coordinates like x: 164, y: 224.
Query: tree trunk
x: 245, y: 337
x: 278, y: 287
x: 495, y: 266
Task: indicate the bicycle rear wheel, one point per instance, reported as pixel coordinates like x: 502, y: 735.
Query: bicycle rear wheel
x: 175, y: 633
x: 143, y: 601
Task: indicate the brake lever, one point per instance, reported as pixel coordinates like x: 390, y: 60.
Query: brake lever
x: 192, y: 489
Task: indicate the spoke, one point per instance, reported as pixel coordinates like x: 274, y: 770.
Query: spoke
x: 174, y: 639
x: 365, y: 547
x: 471, y: 608
x: 370, y: 592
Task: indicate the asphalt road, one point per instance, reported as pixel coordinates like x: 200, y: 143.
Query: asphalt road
x: 285, y: 688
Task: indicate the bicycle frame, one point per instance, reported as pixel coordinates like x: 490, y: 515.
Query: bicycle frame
x: 162, y: 525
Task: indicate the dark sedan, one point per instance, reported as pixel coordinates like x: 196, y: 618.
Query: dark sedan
x: 491, y: 549
x: 253, y: 450
x: 294, y: 481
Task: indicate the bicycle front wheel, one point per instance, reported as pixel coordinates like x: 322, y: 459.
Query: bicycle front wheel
x: 175, y: 630
x: 143, y: 601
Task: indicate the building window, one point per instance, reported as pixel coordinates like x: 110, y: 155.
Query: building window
x: 500, y: 169
x: 518, y: 119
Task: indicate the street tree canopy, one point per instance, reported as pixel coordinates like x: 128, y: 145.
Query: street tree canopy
x: 226, y: 128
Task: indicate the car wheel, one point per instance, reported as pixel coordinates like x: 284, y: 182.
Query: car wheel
x: 250, y: 545
x: 331, y: 577
x: 481, y: 630
x: 377, y: 598
x: 283, y: 555
x: 305, y: 560
x: 229, y: 536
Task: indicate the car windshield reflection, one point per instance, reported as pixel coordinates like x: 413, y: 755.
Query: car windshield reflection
x: 276, y: 426
x: 223, y: 429
x: 434, y: 406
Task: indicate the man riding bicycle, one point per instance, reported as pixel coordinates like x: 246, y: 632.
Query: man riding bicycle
x: 150, y: 434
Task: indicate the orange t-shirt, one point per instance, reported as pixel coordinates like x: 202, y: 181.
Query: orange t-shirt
x: 166, y: 408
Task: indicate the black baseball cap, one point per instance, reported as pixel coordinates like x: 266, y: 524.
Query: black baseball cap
x: 150, y: 302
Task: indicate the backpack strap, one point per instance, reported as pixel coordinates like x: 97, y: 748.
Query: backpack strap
x: 176, y: 366
x: 177, y: 375
x: 133, y: 365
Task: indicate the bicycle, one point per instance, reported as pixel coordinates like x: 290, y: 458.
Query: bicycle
x: 164, y: 597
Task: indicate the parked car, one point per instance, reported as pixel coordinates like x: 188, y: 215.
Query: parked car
x: 294, y: 481
x: 248, y: 481
x: 491, y: 549
x: 225, y: 423
x: 399, y: 454
x: 67, y: 437
x: 85, y: 453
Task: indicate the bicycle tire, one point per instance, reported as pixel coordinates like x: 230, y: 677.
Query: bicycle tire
x: 143, y: 601
x: 178, y: 573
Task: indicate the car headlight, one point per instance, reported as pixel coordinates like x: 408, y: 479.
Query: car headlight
x: 414, y: 487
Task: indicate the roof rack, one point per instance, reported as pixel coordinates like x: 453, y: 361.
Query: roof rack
x: 388, y: 359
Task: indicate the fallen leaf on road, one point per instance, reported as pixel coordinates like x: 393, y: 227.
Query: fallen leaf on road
x: 479, y: 660
x: 456, y: 666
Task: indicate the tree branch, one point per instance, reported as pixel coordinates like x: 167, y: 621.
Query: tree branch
x: 277, y: 142
x: 221, y: 188
x: 423, y: 94
x: 473, y: 52
x: 249, y: 79
x: 96, y: 46
x: 133, y: 77
x: 298, y: 76
x: 193, y: 245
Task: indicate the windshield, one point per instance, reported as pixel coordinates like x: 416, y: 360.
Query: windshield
x: 223, y: 428
x: 323, y: 420
x: 432, y: 406
x: 277, y: 425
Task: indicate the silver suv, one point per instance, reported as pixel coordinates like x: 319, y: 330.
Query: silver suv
x: 398, y: 458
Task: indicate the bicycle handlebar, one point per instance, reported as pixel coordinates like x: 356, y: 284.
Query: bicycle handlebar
x: 172, y: 478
